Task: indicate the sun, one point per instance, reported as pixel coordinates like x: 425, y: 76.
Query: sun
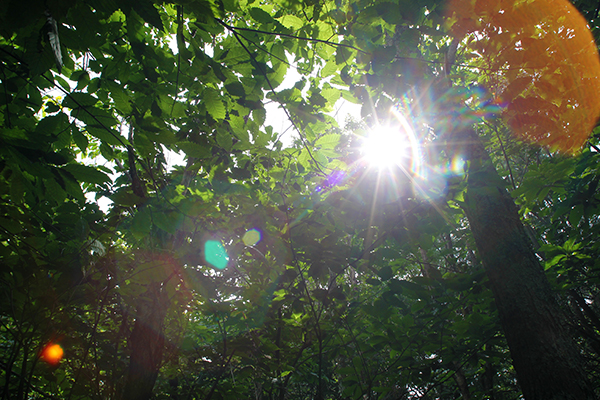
x: 394, y: 144
x: 385, y: 147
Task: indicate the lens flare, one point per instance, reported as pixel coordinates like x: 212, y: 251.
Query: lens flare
x: 251, y: 237
x: 52, y: 353
x: 215, y: 254
x: 540, y: 58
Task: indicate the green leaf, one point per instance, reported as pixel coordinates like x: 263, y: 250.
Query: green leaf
x: 291, y: 22
x: 277, y: 75
x: 213, y: 103
x: 84, y: 173
x: 54, y: 191
x: 12, y: 133
x: 385, y: 273
x: 346, y: 95
x: 342, y: 55
x: 148, y: 12
x: 261, y: 15
x: 78, y: 100
x: 53, y: 125
x: 328, y: 141
x: 125, y: 197
x: 224, y: 139
x: 389, y: 12
x: 121, y: 99
x: 406, y: 288
x: 63, y: 140
x: 11, y: 225
x: 51, y: 108
x: 555, y: 260
x: 194, y: 150
x: 178, y: 110
x: 331, y: 94
x: 94, y: 116
x: 259, y: 115
x: 83, y: 81
x: 235, y: 89
x: 79, y: 138
x: 374, y: 282
x: 109, y: 136
x: 165, y: 221
x: 329, y: 69
x: 576, y: 214
x: 17, y: 186
x: 62, y: 83
x: 570, y: 245
x: 141, y: 224
x: 72, y: 187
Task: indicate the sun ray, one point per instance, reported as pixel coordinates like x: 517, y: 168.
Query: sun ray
x: 394, y: 150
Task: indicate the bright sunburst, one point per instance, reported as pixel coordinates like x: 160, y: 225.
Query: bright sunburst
x: 385, y: 147
x: 391, y: 145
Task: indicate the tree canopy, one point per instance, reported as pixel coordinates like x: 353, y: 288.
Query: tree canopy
x: 285, y: 264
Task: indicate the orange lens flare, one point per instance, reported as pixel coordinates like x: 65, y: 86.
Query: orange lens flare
x: 52, y: 353
x: 540, y: 58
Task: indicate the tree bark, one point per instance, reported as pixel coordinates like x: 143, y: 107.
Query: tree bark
x: 488, y: 381
x: 146, y: 344
x: 461, y: 382
x: 547, y: 360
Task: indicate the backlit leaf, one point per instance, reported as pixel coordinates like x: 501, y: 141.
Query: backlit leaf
x: 78, y: 100
x: 328, y: 141
x: 213, y: 103
x: 86, y: 173
x: 291, y: 22
x: 194, y: 149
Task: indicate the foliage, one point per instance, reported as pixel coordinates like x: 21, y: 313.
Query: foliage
x: 550, y: 65
x: 362, y: 283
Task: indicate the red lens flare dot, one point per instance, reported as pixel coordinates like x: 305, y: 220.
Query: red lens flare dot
x: 52, y: 353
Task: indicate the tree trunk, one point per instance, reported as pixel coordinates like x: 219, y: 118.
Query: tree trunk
x: 488, y: 381
x: 146, y: 345
x: 545, y: 356
x: 461, y: 381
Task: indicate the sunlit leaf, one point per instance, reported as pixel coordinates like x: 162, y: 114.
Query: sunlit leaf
x: 291, y: 22
x: 214, y: 105
x: 328, y: 141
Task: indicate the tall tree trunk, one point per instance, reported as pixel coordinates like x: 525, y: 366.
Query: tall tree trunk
x: 146, y: 344
x: 488, y: 381
x: 545, y: 356
x: 461, y: 381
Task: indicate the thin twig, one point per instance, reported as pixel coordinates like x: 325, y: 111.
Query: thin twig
x: 286, y: 35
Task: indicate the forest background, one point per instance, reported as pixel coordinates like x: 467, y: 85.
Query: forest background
x: 467, y: 267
